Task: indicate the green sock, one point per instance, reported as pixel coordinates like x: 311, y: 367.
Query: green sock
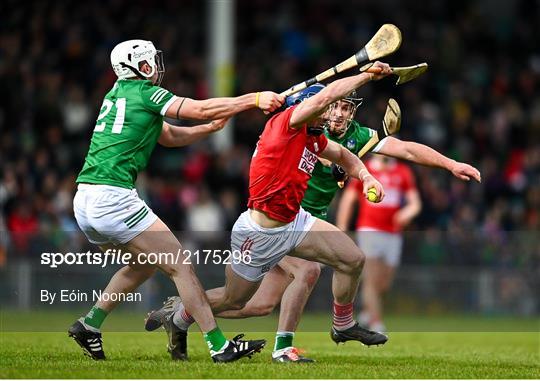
x: 95, y: 317
x: 283, y: 340
x: 215, y: 339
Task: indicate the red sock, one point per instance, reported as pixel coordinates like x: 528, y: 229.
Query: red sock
x: 343, y: 316
x: 182, y: 319
x: 186, y: 316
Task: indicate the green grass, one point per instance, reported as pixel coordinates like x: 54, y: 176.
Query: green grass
x: 406, y: 355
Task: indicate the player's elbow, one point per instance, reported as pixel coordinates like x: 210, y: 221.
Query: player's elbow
x: 165, y: 143
x: 166, y: 137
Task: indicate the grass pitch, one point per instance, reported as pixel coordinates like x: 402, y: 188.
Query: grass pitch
x: 143, y: 355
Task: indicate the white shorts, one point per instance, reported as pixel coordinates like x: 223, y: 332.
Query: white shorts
x: 266, y: 247
x: 108, y: 214
x: 382, y: 245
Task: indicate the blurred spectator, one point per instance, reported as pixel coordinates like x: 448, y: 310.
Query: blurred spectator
x: 205, y: 215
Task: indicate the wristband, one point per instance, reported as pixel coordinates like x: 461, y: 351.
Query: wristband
x: 257, y: 96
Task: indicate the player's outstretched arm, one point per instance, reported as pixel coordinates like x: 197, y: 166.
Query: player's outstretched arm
x: 175, y: 136
x: 345, y: 207
x: 312, y: 107
x: 353, y: 166
x: 424, y: 155
x: 218, y: 108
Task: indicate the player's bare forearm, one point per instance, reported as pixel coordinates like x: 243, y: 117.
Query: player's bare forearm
x: 354, y: 167
x: 314, y: 106
x: 424, y: 155
x: 216, y: 108
x: 342, y: 87
x: 345, y: 158
x: 416, y: 153
x: 225, y: 107
x: 175, y: 136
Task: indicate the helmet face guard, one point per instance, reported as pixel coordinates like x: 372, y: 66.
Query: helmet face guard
x: 160, y: 66
x: 355, y: 102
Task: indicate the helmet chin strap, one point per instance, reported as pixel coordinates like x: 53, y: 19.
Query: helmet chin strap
x: 139, y: 73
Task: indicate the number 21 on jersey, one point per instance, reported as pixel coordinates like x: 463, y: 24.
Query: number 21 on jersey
x: 106, y: 107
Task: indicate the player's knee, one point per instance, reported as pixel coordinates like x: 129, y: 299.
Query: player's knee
x: 355, y: 263
x: 309, y: 274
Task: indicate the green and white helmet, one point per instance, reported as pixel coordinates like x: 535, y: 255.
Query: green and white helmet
x: 127, y: 56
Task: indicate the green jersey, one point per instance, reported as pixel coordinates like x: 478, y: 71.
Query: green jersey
x: 126, y: 132
x: 322, y: 186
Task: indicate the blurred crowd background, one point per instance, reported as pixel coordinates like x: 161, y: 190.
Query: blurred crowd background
x: 479, y: 103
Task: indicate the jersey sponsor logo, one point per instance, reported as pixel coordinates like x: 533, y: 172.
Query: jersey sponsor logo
x: 351, y: 143
x: 307, y: 162
x: 158, y: 95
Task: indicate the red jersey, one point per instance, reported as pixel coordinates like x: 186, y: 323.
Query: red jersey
x: 396, y: 180
x: 281, y: 167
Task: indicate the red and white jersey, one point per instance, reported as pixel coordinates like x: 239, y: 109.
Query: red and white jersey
x: 396, y: 179
x: 281, y: 167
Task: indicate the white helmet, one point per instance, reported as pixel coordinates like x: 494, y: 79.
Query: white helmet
x: 127, y: 55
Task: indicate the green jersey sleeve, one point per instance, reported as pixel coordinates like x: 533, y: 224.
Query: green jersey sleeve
x: 156, y: 99
x: 362, y: 135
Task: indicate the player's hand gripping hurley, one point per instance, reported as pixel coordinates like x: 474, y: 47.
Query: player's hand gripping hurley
x: 386, y: 41
x: 404, y: 74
